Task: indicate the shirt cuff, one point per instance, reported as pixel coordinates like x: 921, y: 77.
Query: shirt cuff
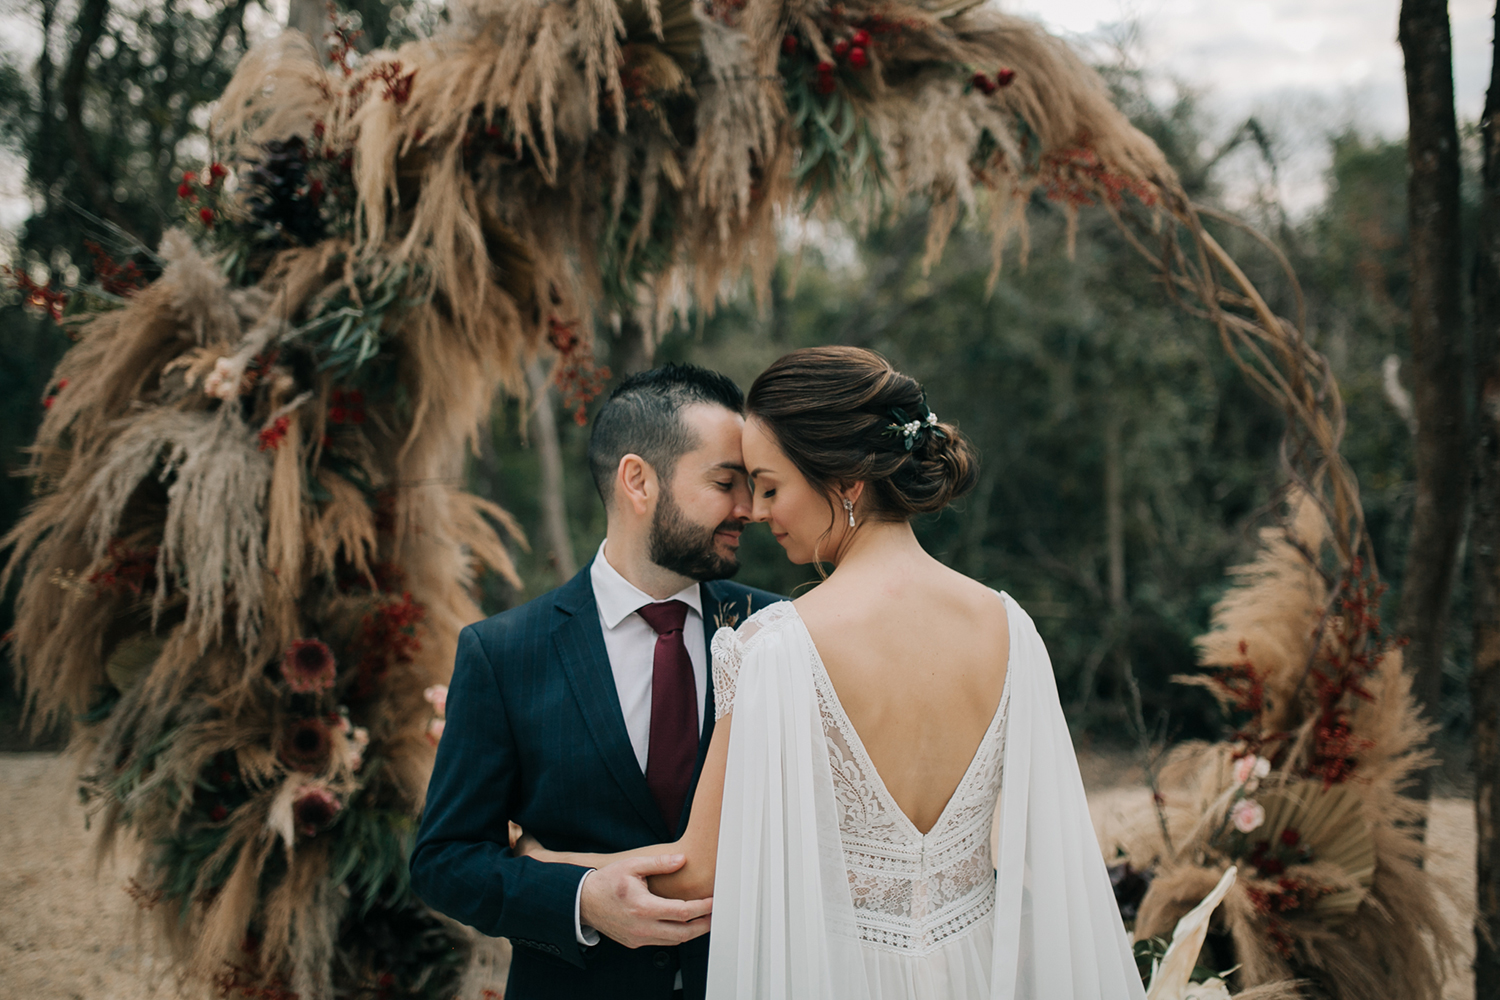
x: 587, y: 936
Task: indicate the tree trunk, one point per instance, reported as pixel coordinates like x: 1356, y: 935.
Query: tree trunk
x: 88, y: 28
x: 1113, y: 641
x: 311, y: 18
x: 550, y: 493
x: 1485, y: 682
x: 633, y: 348
x: 1441, y: 443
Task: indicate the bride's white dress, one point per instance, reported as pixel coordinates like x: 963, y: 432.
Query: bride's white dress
x: 825, y: 890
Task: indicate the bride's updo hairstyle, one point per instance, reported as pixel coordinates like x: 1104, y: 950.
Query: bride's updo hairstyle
x: 831, y: 409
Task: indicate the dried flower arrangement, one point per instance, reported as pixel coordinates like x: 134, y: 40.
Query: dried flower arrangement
x: 250, y: 555
x: 1304, y: 797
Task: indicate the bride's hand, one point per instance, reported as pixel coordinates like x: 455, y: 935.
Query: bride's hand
x: 524, y: 845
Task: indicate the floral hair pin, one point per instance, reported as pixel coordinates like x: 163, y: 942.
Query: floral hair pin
x: 911, y: 430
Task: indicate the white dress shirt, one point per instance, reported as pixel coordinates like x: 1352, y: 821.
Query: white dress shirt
x: 631, y: 646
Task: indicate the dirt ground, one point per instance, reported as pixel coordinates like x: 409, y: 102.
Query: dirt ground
x: 68, y: 931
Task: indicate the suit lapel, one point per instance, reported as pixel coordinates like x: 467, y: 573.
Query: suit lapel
x: 722, y: 608
x: 578, y: 641
x: 714, y: 608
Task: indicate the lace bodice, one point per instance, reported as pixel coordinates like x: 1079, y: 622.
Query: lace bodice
x: 911, y: 892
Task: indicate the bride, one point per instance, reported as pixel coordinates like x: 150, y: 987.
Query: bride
x: 844, y: 819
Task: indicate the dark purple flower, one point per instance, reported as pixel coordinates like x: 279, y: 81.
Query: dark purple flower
x: 314, y: 809
x: 308, y: 666
x: 306, y: 745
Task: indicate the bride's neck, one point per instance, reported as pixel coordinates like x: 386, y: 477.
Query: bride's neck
x: 881, y: 543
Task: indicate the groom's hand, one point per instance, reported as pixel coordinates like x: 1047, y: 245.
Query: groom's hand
x: 617, y: 903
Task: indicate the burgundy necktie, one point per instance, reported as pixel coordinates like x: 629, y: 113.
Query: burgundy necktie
x: 673, y: 746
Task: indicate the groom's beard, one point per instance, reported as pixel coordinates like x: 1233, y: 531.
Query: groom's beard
x: 683, y: 547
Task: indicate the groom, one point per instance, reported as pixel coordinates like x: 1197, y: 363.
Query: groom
x: 583, y: 716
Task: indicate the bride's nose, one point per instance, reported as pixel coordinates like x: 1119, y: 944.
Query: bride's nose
x: 760, y: 508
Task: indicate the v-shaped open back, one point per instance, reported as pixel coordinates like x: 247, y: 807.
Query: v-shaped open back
x: 857, y: 749
x: 911, y: 891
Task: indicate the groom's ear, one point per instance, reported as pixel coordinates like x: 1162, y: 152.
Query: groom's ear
x: 636, y: 485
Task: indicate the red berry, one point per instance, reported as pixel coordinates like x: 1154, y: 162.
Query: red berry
x: 184, y: 190
x: 841, y: 48
x: 857, y: 58
x: 189, y: 176
x: 207, y: 215
x: 62, y: 384
x: 825, y: 85
x: 216, y: 170
x: 862, y: 38
x: 218, y: 814
x: 1003, y: 77
x: 789, y: 44
x: 825, y: 67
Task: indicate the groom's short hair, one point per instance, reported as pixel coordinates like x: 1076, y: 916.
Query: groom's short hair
x: 644, y: 417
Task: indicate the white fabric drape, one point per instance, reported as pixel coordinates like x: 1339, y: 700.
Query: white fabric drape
x: 1058, y: 932
x: 784, y: 923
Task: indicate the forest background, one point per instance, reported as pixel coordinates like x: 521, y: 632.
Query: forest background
x: 1126, y: 462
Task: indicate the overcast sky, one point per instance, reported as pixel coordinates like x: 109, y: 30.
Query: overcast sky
x: 1305, y: 67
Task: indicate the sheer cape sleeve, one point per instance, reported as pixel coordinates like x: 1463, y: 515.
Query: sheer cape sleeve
x: 1058, y: 932
x: 781, y: 896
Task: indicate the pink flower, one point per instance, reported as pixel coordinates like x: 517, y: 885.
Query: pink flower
x: 359, y: 739
x: 1249, y: 770
x: 437, y: 697
x: 435, y: 731
x: 308, y: 666
x: 314, y: 809
x: 225, y: 381
x: 1247, y: 815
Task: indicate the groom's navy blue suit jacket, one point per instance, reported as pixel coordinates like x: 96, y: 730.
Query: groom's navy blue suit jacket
x: 535, y: 734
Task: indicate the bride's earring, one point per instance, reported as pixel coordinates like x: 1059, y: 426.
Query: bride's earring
x: 849, y: 509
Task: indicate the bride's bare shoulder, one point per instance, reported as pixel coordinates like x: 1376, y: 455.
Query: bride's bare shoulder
x: 932, y: 592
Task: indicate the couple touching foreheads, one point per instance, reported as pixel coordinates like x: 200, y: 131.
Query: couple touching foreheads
x: 819, y: 778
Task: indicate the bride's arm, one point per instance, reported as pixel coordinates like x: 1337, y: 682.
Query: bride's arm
x: 699, y: 844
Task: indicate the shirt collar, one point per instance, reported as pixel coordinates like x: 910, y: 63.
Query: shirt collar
x: 618, y: 598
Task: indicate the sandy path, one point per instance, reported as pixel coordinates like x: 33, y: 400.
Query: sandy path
x: 66, y: 934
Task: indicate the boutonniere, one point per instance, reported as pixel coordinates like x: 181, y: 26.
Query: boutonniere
x: 727, y: 617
